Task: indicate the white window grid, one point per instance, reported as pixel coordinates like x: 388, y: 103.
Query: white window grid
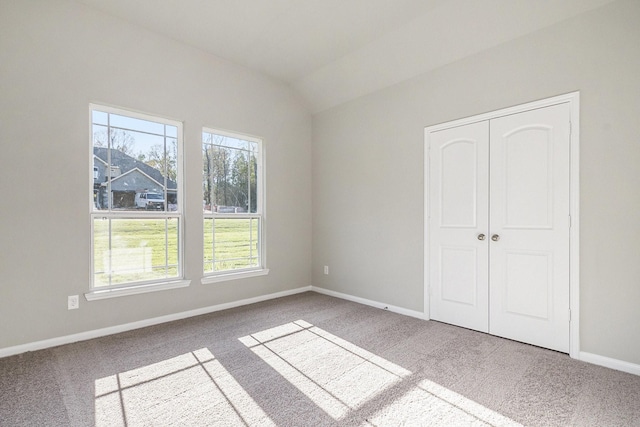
x: 110, y: 214
x: 258, y: 216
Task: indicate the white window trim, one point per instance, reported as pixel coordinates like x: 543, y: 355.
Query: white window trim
x: 98, y: 294
x: 133, y: 288
x: 234, y: 275
x: 261, y: 269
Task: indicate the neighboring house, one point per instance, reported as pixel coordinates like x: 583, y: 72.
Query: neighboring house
x: 128, y: 177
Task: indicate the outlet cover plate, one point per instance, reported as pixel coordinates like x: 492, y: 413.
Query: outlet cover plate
x: 73, y: 302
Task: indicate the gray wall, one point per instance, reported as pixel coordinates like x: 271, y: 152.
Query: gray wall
x: 367, y: 171
x: 55, y: 58
x: 368, y: 168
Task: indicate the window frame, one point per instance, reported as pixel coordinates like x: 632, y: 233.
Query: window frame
x: 142, y: 286
x: 261, y: 269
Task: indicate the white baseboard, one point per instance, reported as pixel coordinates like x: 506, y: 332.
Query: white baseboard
x: 381, y: 305
x: 608, y: 362
x: 82, y: 336
x: 596, y: 359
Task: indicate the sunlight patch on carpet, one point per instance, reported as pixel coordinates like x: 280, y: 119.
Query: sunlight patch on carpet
x: 190, y: 389
x: 429, y: 404
x: 335, y: 374
x: 340, y: 377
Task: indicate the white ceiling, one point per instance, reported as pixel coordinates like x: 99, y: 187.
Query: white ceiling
x: 332, y: 51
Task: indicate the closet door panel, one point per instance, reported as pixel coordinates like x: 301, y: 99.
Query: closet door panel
x: 458, y: 187
x: 529, y: 214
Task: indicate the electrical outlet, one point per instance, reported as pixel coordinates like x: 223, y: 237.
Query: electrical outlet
x: 326, y: 269
x: 73, y: 302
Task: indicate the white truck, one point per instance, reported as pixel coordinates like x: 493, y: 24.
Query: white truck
x: 151, y: 201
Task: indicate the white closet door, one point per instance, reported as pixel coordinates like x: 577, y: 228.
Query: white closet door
x: 458, y: 199
x: 529, y: 214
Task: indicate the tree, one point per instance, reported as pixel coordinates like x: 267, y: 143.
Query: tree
x: 156, y: 158
x: 216, y: 169
x: 243, y: 178
x: 117, y: 139
x: 240, y: 180
x: 229, y: 175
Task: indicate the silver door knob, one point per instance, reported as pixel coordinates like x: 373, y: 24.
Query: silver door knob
x: 481, y: 236
x: 495, y: 237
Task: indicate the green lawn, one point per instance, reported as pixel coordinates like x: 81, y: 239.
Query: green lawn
x: 138, y: 248
x: 236, y: 244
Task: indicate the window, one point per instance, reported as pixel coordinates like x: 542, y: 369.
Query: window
x: 232, y: 204
x: 136, y: 209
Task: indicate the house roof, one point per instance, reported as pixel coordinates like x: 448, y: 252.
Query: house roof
x: 127, y: 163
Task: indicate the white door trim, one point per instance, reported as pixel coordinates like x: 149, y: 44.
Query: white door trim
x: 573, y: 99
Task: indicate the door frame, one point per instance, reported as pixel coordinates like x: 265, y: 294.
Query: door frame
x: 573, y: 99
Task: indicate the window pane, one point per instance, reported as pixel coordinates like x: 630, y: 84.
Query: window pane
x: 100, y: 167
x: 253, y: 182
x: 139, y: 250
x: 229, y: 174
x: 172, y: 173
x: 230, y: 142
x: 99, y: 117
x: 101, y: 260
x: 125, y: 122
x: 173, y: 242
x: 208, y: 245
x: 135, y: 167
x: 236, y: 243
x: 172, y: 131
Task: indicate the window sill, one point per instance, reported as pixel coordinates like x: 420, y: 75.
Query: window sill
x: 98, y: 294
x: 234, y: 276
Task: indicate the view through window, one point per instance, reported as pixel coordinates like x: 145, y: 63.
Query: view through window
x: 232, y: 202
x: 135, y: 203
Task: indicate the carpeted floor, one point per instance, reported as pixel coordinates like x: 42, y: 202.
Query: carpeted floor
x: 310, y: 360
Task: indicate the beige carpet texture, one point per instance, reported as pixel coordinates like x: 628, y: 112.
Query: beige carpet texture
x: 310, y: 360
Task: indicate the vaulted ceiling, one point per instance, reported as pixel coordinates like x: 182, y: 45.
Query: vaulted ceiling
x: 332, y: 51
